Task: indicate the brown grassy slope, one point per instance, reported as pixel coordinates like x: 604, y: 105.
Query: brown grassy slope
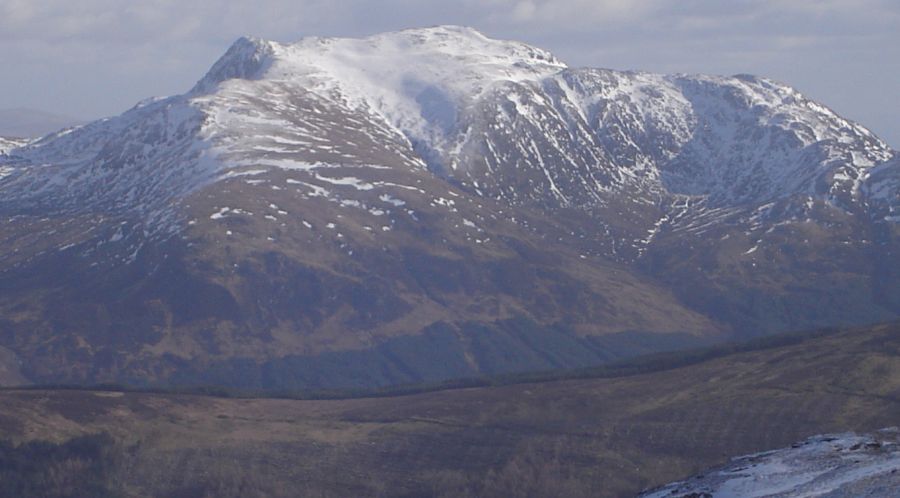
x: 592, y: 437
x: 282, y: 305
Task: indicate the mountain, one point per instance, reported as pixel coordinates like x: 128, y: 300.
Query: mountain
x: 834, y: 465
x: 597, y: 434
x: 23, y: 122
x: 429, y: 204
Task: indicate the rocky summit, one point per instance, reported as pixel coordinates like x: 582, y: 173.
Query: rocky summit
x: 430, y: 204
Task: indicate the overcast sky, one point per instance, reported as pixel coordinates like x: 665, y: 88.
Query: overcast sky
x: 92, y: 58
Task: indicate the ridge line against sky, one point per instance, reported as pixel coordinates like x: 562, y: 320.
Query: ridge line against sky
x: 97, y: 58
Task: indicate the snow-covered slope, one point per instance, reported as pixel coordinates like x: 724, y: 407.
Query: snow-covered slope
x: 496, y: 110
x: 7, y: 144
x: 836, y: 466
x: 417, y: 80
x: 506, y: 120
x: 883, y: 190
x: 285, y: 111
x: 136, y: 162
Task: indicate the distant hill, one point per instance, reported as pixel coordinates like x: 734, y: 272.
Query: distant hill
x: 31, y: 123
x: 598, y: 437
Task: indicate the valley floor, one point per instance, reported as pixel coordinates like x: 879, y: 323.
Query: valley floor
x: 586, y: 437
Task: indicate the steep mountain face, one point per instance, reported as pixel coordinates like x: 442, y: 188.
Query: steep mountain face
x: 429, y: 204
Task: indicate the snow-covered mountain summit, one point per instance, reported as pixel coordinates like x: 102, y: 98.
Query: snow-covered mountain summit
x: 399, y: 86
x: 504, y: 119
x: 513, y: 121
x: 353, y: 191
x: 421, y: 83
x: 386, y: 67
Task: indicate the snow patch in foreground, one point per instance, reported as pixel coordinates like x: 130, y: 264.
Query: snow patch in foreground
x: 836, y: 465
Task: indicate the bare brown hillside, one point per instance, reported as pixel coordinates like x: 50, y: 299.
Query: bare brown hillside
x: 587, y: 437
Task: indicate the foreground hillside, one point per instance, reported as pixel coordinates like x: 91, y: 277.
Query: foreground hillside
x: 579, y: 437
